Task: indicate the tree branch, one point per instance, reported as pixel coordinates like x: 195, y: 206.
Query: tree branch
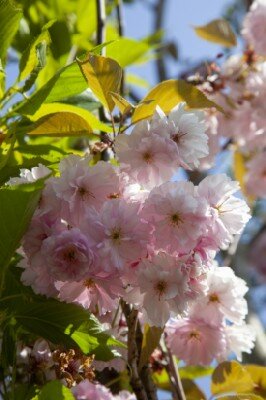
x: 159, y: 9
x: 133, y: 354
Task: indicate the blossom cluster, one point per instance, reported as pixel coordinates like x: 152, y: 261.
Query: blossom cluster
x: 104, y: 232
x: 239, y: 87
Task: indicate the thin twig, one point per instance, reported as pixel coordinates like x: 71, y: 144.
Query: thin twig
x: 159, y: 9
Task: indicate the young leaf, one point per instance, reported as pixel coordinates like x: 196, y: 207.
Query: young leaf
x: 54, y: 390
x: 17, y: 204
x: 218, y: 31
x: 161, y: 380
x: 193, y: 372
x: 246, y: 396
x: 123, y: 105
x: 67, y: 82
x: 230, y: 376
x: 10, y: 16
x: 167, y: 94
x: 151, y: 338
x: 103, y: 75
x: 192, y: 391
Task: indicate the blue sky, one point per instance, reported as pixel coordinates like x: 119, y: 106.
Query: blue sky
x: 180, y: 17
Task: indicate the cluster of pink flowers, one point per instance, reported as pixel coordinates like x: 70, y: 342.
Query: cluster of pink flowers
x: 239, y: 87
x: 105, y: 232
x: 87, y: 390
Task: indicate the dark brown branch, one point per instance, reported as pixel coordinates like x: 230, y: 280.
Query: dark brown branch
x: 133, y: 354
x: 159, y: 9
x: 175, y: 377
x: 101, y: 18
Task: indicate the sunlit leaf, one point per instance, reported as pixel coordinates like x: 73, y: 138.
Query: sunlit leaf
x: 103, y: 75
x: 136, y: 80
x: 230, y: 376
x: 247, y: 396
x: 61, y: 124
x: 151, y: 338
x: 10, y: 16
x: 192, y: 391
x: 258, y: 375
x: 161, y: 379
x: 167, y: 95
x: 123, y: 105
x: 90, y: 118
x: 193, y: 372
x: 218, y: 31
x: 54, y: 390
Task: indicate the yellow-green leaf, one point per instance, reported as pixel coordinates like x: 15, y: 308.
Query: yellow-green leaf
x: 192, y: 391
x: 123, y: 105
x: 258, y: 375
x: 167, y: 95
x: 230, y: 376
x: 161, y: 379
x: 103, y: 76
x: 51, y: 108
x: 246, y: 396
x: 151, y: 338
x: 217, y: 31
x: 193, y: 372
x: 61, y: 124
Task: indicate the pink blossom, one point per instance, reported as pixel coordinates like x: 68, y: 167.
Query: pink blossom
x: 98, y: 294
x: 177, y: 216
x: 256, y: 176
x: 68, y: 255
x: 254, y: 28
x: 224, y: 296
x: 239, y: 339
x: 162, y: 286
x: 42, y: 354
x: 228, y: 214
x: 118, y: 233
x: 195, y: 341
x: 149, y: 158
x: 87, y: 390
x: 187, y: 130
x: 81, y: 186
x: 30, y: 175
x: 257, y: 254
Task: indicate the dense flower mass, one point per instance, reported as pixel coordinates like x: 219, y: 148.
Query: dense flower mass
x: 103, y: 233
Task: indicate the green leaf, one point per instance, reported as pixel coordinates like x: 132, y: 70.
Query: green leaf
x: 161, y: 380
x: 127, y: 51
x: 29, y: 59
x: 230, y: 376
x: 65, y: 83
x: 167, y: 95
x: 103, y: 76
x: 192, y: 391
x: 151, y: 338
x: 10, y: 16
x: 17, y: 205
x: 58, y: 322
x: 2, y: 80
x: 54, y: 390
x: 217, y: 31
x: 193, y: 372
x: 85, y: 8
